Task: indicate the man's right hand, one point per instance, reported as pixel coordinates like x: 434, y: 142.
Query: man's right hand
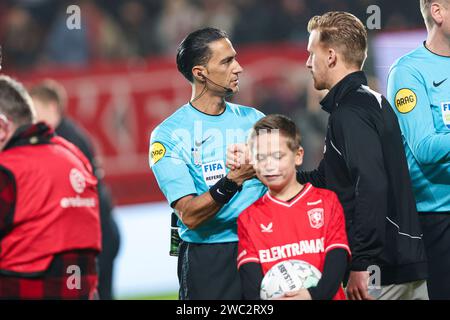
x: 357, y: 286
x: 237, y: 155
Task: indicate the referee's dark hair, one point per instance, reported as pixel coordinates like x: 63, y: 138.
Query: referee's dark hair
x: 282, y: 124
x: 194, y: 50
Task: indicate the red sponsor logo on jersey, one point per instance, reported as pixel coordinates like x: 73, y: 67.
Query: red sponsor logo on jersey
x: 292, y: 250
x: 316, y: 217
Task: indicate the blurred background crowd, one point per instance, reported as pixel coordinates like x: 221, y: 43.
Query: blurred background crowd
x: 36, y: 37
x: 34, y: 30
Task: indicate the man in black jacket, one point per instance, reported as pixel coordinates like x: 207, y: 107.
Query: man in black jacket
x: 364, y: 163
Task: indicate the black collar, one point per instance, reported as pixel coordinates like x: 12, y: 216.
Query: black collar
x: 38, y: 133
x: 341, y: 89
x: 211, y: 115
x: 439, y: 55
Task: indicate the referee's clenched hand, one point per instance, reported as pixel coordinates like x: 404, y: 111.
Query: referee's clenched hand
x: 241, y: 174
x: 237, y: 155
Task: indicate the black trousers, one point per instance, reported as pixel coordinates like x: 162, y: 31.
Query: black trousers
x: 436, y: 237
x: 208, y: 272
x: 110, y: 245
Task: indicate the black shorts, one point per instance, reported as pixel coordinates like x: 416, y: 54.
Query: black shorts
x: 436, y: 237
x: 208, y: 271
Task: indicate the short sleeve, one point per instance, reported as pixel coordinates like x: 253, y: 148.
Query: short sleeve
x: 169, y: 167
x: 409, y: 99
x: 246, y: 248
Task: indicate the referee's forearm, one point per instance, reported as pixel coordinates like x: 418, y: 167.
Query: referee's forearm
x: 194, y: 211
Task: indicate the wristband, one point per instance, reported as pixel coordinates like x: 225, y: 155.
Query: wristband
x: 224, y: 190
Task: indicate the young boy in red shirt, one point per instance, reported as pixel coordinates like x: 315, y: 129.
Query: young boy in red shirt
x: 291, y: 221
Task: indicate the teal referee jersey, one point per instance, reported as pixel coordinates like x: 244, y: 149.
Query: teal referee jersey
x: 419, y: 92
x: 188, y: 155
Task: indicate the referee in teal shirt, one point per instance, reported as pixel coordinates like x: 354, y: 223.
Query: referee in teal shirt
x: 187, y: 156
x: 419, y: 91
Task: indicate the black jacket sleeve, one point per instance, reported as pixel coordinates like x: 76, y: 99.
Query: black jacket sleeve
x: 251, y: 277
x: 332, y: 275
x: 356, y: 135
x: 315, y: 177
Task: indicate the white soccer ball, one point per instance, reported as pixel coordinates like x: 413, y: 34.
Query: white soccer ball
x: 287, y: 276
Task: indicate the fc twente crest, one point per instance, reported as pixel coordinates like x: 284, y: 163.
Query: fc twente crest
x: 316, y: 217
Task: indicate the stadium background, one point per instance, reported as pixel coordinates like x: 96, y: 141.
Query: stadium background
x: 120, y: 74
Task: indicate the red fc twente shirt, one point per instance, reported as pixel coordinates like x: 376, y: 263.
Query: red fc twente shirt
x: 305, y: 228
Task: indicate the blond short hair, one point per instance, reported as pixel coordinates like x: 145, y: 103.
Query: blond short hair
x: 345, y: 31
x: 425, y: 6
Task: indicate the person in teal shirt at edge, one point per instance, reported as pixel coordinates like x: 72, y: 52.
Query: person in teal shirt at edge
x: 187, y: 156
x: 419, y: 91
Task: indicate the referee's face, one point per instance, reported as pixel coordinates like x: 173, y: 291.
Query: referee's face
x: 317, y: 61
x: 223, y: 69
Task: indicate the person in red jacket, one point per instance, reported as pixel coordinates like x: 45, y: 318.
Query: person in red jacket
x: 50, y: 102
x: 291, y: 221
x: 49, y: 213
